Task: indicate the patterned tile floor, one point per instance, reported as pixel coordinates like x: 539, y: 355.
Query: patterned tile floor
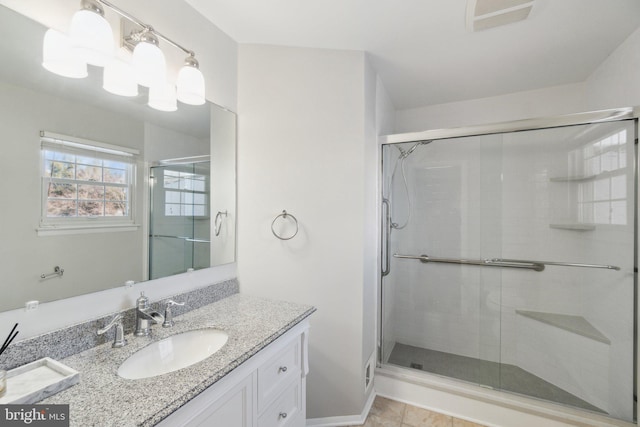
x: 389, y: 413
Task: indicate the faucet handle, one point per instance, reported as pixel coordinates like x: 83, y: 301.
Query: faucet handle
x: 119, y: 339
x: 172, y: 302
x: 168, y: 316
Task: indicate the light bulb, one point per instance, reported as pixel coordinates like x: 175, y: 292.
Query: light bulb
x: 190, y: 85
x: 91, y: 35
x: 59, y: 58
x: 163, y: 97
x: 148, y: 62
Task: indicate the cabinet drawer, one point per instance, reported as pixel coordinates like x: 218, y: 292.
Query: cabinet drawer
x: 285, y: 410
x: 277, y: 373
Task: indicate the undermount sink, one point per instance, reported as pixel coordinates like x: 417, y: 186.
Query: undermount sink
x: 173, y: 353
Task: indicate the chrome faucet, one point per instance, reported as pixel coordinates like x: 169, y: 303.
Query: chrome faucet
x: 145, y: 316
x: 118, y: 340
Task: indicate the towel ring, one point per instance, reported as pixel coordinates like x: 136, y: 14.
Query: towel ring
x: 218, y: 221
x: 284, y: 215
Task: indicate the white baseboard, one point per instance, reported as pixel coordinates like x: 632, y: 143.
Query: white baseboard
x: 349, y: 420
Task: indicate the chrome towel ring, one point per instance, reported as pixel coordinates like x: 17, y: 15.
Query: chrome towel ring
x: 218, y: 221
x: 284, y: 215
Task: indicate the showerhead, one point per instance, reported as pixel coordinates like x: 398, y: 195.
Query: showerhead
x: 405, y: 154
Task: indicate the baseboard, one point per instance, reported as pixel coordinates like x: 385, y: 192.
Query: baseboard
x: 349, y: 420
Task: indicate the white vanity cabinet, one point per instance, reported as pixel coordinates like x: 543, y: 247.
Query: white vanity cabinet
x: 267, y: 390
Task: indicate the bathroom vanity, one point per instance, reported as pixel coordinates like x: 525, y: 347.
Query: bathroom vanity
x: 256, y: 379
x: 267, y: 390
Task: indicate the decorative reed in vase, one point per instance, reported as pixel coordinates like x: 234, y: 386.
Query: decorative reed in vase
x: 5, y: 345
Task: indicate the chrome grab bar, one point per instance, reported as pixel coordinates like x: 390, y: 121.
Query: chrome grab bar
x: 504, y: 262
x: 482, y: 262
x: 563, y: 264
x: 387, y: 233
x: 185, y: 238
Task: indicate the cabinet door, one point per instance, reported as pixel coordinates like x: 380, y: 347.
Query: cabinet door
x: 234, y: 409
x: 225, y: 405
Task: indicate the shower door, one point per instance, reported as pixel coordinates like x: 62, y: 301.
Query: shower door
x: 511, y: 262
x: 179, y: 226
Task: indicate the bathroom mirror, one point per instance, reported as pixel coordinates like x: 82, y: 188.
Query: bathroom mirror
x: 92, y: 258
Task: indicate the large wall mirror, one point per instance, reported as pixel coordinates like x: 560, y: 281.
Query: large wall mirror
x: 181, y: 196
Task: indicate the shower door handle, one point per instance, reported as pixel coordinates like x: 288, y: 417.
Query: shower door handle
x: 386, y: 234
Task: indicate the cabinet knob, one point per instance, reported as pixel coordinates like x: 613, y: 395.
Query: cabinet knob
x: 283, y: 415
x: 282, y: 369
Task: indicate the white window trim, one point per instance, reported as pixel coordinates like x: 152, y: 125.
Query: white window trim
x: 85, y: 225
x: 98, y: 228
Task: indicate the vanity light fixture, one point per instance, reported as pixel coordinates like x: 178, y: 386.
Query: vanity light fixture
x: 58, y: 57
x: 190, y: 84
x: 148, y: 60
x: 119, y: 77
x: 163, y: 98
x: 90, y: 41
x: 91, y: 35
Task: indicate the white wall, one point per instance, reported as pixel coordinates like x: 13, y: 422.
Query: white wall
x: 223, y: 185
x: 302, y: 148
x: 616, y: 82
x: 162, y: 143
x: 545, y: 102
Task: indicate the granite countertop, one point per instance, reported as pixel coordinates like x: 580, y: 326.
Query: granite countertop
x: 104, y: 399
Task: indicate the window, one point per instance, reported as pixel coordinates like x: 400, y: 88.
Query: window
x: 602, y: 196
x: 185, y: 193
x: 86, y: 183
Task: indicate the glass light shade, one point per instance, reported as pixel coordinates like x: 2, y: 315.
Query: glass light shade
x: 149, y: 65
x: 59, y: 58
x: 190, y: 86
x: 92, y: 37
x: 118, y: 78
x: 163, y: 97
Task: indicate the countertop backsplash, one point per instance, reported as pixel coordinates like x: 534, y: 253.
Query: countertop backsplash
x: 82, y: 336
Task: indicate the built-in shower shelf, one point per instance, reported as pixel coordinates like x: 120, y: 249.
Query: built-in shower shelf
x: 574, y: 226
x: 576, y: 324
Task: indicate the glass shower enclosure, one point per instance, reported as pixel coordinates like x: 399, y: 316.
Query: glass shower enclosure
x: 508, y: 260
x: 179, y: 226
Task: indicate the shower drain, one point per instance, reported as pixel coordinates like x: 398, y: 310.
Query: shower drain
x: 415, y: 365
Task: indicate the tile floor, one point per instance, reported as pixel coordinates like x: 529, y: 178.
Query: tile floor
x: 389, y: 413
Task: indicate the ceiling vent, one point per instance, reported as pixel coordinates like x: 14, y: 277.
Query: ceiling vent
x: 485, y: 14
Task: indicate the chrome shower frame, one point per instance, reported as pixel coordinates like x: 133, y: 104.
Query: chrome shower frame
x: 453, y: 387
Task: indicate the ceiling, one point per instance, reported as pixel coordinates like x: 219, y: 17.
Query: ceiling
x: 422, y: 50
